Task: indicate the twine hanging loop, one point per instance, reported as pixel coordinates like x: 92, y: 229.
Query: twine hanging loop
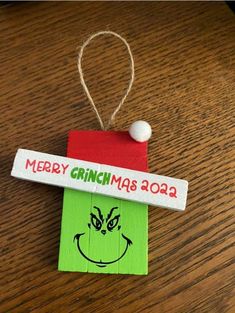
x: 79, y: 65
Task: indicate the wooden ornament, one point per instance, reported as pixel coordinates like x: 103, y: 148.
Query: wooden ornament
x: 100, y: 233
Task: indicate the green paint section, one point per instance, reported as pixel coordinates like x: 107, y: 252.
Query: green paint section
x: 75, y: 216
x: 135, y: 226
x: 113, y: 234
x: 104, y: 243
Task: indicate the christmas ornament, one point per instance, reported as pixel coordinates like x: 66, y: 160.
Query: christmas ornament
x: 104, y: 225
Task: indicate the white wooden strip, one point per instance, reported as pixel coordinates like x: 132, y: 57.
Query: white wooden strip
x: 156, y: 190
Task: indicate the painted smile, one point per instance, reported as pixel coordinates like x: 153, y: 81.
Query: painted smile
x: 101, y: 263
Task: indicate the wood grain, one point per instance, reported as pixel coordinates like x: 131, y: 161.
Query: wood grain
x: 184, y: 87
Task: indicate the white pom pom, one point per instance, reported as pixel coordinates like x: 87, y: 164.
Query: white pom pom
x: 140, y: 131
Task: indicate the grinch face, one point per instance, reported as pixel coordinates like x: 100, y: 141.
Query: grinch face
x: 105, y: 225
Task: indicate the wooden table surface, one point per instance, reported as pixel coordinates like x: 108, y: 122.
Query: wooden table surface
x: 184, y: 87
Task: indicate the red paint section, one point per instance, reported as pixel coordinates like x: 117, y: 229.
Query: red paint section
x: 108, y: 147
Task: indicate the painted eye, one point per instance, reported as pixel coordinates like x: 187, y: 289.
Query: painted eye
x: 96, y: 222
x: 113, y: 223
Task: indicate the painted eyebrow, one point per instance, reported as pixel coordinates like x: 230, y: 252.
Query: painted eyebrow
x: 110, y: 213
x: 100, y: 214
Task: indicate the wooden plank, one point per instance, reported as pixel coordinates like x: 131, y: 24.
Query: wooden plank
x: 136, y: 232
x: 74, y: 222
x: 162, y: 191
x: 104, y: 243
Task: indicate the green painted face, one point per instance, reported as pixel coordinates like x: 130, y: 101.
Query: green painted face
x: 108, y: 226
x: 101, y: 234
